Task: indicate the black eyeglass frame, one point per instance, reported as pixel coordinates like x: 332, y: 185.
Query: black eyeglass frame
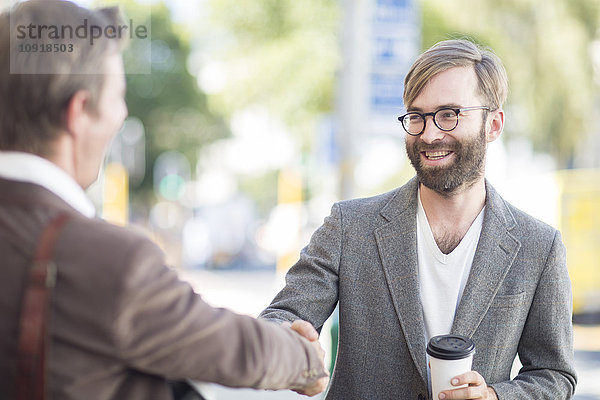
x: 457, y: 111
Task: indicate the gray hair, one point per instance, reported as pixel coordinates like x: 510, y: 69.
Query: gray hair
x: 32, y: 104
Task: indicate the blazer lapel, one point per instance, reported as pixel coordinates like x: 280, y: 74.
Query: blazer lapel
x: 397, y: 241
x: 496, y: 251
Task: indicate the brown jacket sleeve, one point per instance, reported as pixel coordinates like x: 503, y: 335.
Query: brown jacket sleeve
x: 162, y: 327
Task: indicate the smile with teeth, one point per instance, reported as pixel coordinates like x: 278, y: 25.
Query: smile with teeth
x: 436, y: 155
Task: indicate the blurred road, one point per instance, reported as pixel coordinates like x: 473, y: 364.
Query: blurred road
x: 250, y: 292
x: 246, y: 292
x: 587, y: 361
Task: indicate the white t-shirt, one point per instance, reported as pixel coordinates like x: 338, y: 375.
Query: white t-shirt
x: 442, y: 277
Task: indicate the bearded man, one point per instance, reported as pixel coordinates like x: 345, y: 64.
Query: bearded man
x: 443, y: 254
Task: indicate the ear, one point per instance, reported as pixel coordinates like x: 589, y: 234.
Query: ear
x: 76, y: 114
x: 494, y: 125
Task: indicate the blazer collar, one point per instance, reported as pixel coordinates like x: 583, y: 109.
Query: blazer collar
x: 31, y: 195
x: 496, y: 251
x: 397, y: 244
x: 405, y: 200
x: 27, y: 167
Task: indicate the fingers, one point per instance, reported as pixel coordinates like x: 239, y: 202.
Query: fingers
x: 468, y: 378
x: 320, y: 384
x: 305, y: 329
x: 317, y: 346
x: 318, y: 387
x: 471, y: 392
x: 476, y: 389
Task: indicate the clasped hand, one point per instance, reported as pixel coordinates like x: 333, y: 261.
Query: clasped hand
x: 476, y: 388
x: 305, y: 329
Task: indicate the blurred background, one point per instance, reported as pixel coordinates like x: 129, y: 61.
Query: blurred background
x: 259, y: 114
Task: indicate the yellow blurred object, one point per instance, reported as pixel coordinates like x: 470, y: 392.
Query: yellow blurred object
x: 115, y: 196
x: 286, y: 260
x: 289, y: 186
x: 289, y: 193
x: 579, y: 223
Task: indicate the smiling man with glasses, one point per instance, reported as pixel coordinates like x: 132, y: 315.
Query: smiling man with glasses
x: 443, y: 254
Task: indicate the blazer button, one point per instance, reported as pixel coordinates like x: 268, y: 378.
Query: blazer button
x: 421, y: 397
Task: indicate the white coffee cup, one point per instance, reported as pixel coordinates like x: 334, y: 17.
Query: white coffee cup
x: 449, y: 356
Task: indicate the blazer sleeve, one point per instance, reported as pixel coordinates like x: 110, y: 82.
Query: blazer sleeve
x: 162, y: 327
x: 311, y: 289
x: 546, y: 345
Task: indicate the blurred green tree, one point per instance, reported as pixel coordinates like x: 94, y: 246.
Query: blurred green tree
x: 172, y: 108
x: 281, y: 55
x: 546, y: 49
x: 278, y: 56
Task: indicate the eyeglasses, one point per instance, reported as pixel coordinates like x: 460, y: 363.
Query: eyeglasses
x: 446, y: 119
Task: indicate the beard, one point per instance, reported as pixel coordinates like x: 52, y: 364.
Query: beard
x: 466, y: 169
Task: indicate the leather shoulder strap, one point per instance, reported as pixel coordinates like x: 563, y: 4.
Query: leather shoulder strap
x: 33, y: 323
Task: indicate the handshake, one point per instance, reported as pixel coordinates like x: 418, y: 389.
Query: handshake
x: 306, y: 330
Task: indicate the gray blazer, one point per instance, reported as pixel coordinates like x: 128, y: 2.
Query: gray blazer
x: 517, y: 300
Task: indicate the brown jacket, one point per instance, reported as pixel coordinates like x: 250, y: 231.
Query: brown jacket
x: 122, y: 322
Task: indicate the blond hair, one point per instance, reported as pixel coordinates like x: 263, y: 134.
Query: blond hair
x: 491, y: 75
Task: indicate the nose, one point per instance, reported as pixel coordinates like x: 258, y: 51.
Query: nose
x: 431, y: 132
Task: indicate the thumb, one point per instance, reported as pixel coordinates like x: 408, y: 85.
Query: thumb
x: 305, y: 329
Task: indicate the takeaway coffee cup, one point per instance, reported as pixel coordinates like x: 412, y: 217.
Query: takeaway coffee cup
x: 449, y: 356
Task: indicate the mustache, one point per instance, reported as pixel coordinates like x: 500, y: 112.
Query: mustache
x: 420, y: 147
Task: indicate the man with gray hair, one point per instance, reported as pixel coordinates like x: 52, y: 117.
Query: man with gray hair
x: 87, y: 309
x: 443, y: 254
